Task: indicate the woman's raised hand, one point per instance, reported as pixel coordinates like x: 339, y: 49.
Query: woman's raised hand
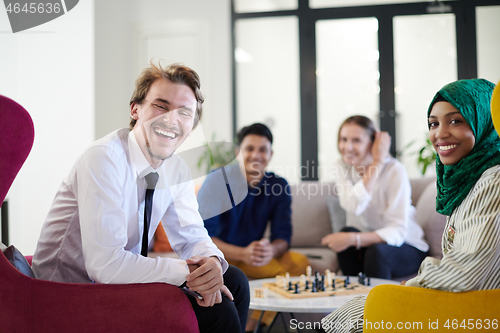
x: 381, y: 146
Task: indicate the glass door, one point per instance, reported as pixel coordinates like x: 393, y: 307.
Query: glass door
x: 347, y: 80
x: 425, y: 59
x: 267, y: 67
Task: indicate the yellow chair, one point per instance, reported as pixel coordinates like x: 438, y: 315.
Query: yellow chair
x: 410, y: 309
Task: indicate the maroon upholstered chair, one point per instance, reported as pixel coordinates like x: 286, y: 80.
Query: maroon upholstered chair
x: 31, y: 305
x: 16, y: 140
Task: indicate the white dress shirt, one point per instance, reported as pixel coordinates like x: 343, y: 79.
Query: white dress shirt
x: 387, y: 210
x: 93, y: 231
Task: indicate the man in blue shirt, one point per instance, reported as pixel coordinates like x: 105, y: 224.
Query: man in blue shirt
x: 239, y: 232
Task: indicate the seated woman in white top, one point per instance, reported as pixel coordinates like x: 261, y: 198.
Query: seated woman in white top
x: 382, y: 238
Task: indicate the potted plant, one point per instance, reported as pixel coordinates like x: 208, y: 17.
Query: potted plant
x: 217, y: 154
x: 425, y: 156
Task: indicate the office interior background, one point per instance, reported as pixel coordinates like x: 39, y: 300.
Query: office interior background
x: 299, y: 66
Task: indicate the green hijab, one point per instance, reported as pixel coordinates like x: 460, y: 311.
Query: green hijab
x: 473, y: 99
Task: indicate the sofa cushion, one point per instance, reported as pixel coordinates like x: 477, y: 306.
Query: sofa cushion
x: 336, y: 212
x: 418, y: 186
x: 426, y: 205
x: 161, y: 243
x: 16, y: 258
x: 310, y: 217
x: 320, y: 259
x: 433, y: 236
x: 431, y: 221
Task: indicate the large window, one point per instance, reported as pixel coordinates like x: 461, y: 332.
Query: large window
x: 347, y: 80
x: 425, y: 59
x: 349, y: 3
x: 488, y: 42
x: 248, y: 6
x: 267, y: 68
x: 335, y: 58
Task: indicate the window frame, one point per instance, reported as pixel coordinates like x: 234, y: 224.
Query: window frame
x: 465, y: 22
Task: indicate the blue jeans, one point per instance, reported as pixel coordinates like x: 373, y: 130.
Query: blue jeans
x: 380, y: 260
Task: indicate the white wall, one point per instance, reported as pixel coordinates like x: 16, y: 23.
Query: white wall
x: 75, y: 76
x: 48, y: 70
x: 128, y: 32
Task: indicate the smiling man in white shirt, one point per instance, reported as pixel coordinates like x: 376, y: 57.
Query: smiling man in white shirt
x: 94, y: 229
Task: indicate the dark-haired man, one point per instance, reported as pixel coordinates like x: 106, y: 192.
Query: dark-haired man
x: 97, y: 227
x: 239, y: 232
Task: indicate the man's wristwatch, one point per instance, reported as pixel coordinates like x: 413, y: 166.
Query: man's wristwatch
x: 188, y: 291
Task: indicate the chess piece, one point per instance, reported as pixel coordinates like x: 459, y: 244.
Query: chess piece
x: 297, y: 291
x: 309, y: 272
x: 328, y: 277
x: 307, y: 285
x: 260, y: 292
x: 361, y: 278
x: 290, y: 285
x: 279, y: 281
x: 302, y: 279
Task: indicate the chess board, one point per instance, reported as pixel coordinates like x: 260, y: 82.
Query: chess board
x: 353, y: 288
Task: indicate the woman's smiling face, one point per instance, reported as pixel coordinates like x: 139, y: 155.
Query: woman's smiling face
x: 355, y: 145
x: 449, y: 133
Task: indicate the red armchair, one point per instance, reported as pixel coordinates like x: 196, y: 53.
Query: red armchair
x: 31, y: 305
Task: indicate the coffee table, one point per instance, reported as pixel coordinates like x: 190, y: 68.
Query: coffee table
x: 279, y: 303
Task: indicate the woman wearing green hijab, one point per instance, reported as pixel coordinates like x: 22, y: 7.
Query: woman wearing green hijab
x: 468, y: 191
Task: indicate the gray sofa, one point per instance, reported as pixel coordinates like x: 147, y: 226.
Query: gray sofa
x: 316, y: 213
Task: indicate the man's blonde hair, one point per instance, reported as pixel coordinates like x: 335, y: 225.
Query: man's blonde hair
x: 176, y: 73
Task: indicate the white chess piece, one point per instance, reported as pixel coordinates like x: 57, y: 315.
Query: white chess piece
x: 328, y: 278
x: 279, y: 281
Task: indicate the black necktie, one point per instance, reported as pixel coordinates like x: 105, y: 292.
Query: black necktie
x: 151, y: 179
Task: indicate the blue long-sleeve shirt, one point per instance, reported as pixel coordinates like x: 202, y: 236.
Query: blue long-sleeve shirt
x: 246, y: 221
